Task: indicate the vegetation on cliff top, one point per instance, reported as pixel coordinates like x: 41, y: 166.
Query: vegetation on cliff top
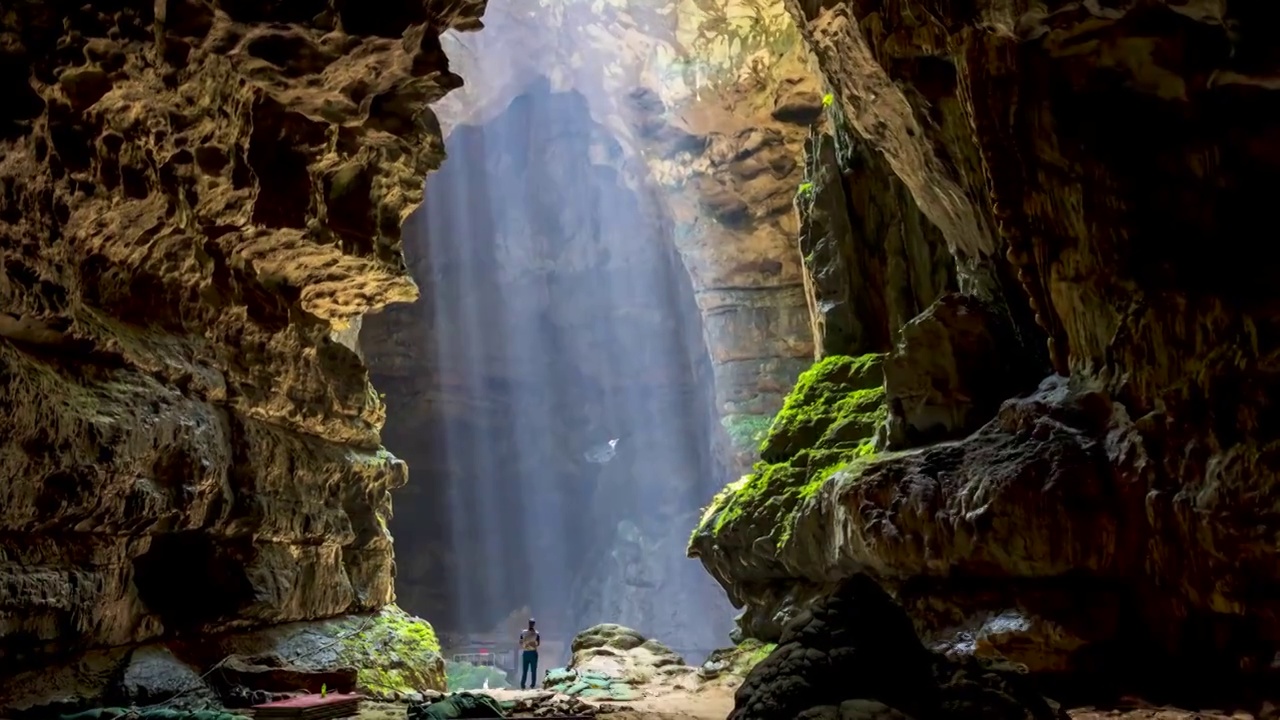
x: 829, y: 420
x: 746, y: 431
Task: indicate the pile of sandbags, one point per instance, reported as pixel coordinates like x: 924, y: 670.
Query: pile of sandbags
x: 588, y: 684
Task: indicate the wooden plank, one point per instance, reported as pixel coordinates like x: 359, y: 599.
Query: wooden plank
x: 306, y: 701
x: 310, y: 707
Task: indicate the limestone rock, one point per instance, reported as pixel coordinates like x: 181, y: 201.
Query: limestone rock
x: 379, y: 654
x: 1120, y: 513
x: 871, y: 261
x: 854, y: 656
x: 391, y: 650
x: 953, y: 366
x: 737, y: 660
x: 830, y: 419
x: 270, y: 673
x: 189, y: 204
x: 620, y: 652
x: 556, y: 705
x: 153, y: 675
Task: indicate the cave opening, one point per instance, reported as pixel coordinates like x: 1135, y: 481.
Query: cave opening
x: 556, y: 316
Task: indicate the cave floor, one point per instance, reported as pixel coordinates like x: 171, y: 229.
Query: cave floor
x: 716, y: 703
x: 1158, y: 714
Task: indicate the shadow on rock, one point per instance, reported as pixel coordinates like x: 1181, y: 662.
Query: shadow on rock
x: 855, y: 656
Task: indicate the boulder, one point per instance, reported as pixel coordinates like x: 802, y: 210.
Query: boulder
x: 736, y: 660
x: 391, y: 652
x: 271, y: 674
x: 153, y: 674
x: 617, y: 652
x: 855, y: 656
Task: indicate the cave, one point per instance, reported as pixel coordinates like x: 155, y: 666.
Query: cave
x: 556, y: 316
x: 785, y: 359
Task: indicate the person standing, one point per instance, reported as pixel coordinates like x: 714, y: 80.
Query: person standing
x: 529, y: 642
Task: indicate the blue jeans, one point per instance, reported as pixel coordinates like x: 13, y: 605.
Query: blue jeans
x: 529, y: 667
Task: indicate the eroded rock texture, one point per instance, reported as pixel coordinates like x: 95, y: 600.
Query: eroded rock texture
x: 854, y: 656
x: 193, y: 196
x: 1114, y: 161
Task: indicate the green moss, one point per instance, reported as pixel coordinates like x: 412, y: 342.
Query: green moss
x: 828, y: 421
x: 744, y: 656
x: 746, y: 430
x: 393, y: 651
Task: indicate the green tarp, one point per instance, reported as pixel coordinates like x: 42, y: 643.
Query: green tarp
x: 457, y: 705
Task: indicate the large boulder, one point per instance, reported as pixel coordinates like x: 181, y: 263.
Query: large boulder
x: 622, y: 653
x: 391, y: 651
x: 855, y: 656
x: 830, y: 419
x: 153, y: 674
x: 609, y: 661
x: 386, y: 653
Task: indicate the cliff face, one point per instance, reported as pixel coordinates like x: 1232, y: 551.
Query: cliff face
x: 1096, y: 175
x: 709, y: 104
x: 194, y: 198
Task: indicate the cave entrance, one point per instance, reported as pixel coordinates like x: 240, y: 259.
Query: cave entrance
x: 556, y: 316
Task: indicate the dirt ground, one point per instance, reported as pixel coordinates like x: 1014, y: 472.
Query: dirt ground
x: 713, y: 702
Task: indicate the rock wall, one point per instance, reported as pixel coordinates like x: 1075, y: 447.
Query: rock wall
x: 194, y: 197
x: 1096, y: 174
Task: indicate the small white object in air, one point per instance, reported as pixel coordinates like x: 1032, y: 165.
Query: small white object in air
x: 602, y: 453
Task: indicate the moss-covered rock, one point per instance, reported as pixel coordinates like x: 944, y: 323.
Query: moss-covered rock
x: 829, y: 420
x: 739, y: 659
x: 393, y: 651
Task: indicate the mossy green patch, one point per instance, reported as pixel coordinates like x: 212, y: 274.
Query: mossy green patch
x: 828, y: 421
x: 393, y: 651
x: 741, y: 658
x: 746, y: 431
